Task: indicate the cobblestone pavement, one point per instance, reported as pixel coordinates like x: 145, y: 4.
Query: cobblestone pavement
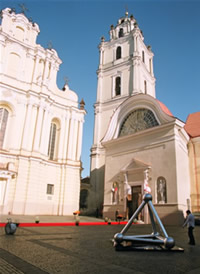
x: 89, y: 249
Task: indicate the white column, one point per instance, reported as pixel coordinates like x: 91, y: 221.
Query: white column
x: 152, y: 73
x: 45, y: 133
x: 97, y: 125
x: 2, y: 55
x: 66, y: 139
x: 38, y: 130
x: 99, y: 88
x: 61, y: 139
x: 27, y: 126
x: 147, y: 189
x: 48, y: 124
x: 32, y: 128
x: 79, y: 144
x: 134, y: 43
x: 18, y: 121
x: 125, y: 190
x: 46, y: 66
x: 71, y: 137
x: 101, y: 56
x: 46, y: 69
x: 35, y: 69
x: 75, y: 140
x: 7, y: 196
x: 135, y: 76
x: 61, y: 191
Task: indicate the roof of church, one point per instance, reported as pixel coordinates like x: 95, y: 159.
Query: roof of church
x: 192, y: 125
x: 164, y: 108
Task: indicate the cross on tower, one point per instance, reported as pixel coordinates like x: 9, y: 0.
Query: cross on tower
x: 49, y: 45
x: 126, y: 13
x: 66, y: 80
x: 23, y: 8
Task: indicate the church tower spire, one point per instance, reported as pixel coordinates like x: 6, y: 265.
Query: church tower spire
x: 125, y: 69
x: 126, y: 63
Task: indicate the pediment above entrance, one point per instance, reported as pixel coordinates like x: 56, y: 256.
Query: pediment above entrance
x: 133, y: 166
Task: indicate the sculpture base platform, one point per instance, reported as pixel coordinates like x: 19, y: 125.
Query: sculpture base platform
x: 130, y: 247
x: 158, y: 240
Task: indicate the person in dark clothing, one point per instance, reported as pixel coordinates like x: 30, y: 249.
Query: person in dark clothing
x: 190, y: 222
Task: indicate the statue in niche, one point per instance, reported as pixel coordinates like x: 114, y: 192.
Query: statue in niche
x: 161, y: 191
x: 115, y: 193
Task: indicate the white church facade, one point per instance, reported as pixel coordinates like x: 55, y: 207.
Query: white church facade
x: 40, y: 126
x: 139, y: 146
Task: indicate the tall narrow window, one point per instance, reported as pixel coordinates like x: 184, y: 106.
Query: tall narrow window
x: 3, y: 123
x: 150, y: 65
x: 52, y: 141
x: 145, y: 86
x: 143, y: 57
x: 49, y: 70
x: 119, y: 53
x: 121, y: 33
x: 117, y: 86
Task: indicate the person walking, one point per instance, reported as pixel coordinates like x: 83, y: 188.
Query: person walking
x: 190, y: 222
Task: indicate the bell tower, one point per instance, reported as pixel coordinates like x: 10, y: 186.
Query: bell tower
x: 125, y: 69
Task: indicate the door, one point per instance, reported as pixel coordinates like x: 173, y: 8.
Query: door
x: 136, y: 199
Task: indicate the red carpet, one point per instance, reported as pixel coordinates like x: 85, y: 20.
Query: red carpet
x: 65, y: 224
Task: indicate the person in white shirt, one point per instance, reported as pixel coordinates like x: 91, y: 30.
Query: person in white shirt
x: 190, y: 222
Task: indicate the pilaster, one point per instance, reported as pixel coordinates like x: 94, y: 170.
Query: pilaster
x: 79, y: 145
x: 40, y: 111
x: 75, y: 139
x: 27, y: 126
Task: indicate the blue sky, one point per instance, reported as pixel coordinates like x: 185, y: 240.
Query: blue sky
x: 75, y: 27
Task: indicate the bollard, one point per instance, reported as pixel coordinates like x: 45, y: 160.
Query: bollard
x: 109, y: 221
x: 37, y: 220
x: 76, y: 216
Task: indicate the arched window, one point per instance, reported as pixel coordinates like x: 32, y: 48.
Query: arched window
x: 139, y: 119
x: 118, y: 53
x: 19, y: 33
x: 52, y: 141
x: 115, y: 193
x: 3, y: 124
x: 117, y: 85
x: 121, y: 33
x: 161, y: 190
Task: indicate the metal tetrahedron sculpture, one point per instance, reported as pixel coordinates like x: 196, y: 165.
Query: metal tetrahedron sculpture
x: 154, y: 241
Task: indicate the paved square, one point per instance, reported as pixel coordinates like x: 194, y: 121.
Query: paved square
x: 89, y: 249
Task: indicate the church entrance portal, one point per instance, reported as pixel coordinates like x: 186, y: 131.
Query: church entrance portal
x: 136, y: 200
